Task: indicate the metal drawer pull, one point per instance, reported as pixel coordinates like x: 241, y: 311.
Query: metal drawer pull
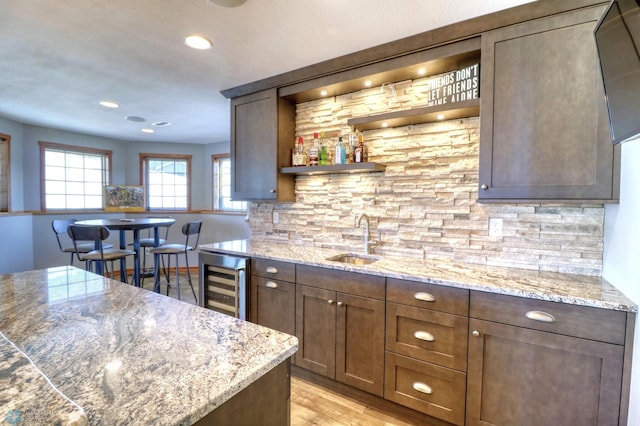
x: 424, y: 335
x: 422, y: 387
x: 271, y: 284
x: 272, y: 270
x: 425, y: 297
x: 340, y: 303
x: 540, y: 316
x: 330, y: 301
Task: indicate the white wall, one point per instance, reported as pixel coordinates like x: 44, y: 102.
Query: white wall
x: 622, y: 252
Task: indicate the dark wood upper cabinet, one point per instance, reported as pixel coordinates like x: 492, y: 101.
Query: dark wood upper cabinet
x: 262, y: 135
x: 544, y: 125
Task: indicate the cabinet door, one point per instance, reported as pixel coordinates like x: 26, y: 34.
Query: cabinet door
x: 316, y: 330
x: 273, y: 304
x: 360, y: 343
x: 544, y: 124
x: 525, y: 377
x: 261, y: 124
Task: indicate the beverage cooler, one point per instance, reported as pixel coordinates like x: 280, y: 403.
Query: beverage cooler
x: 223, y: 283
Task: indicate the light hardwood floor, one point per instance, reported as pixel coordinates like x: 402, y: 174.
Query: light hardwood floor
x: 311, y: 404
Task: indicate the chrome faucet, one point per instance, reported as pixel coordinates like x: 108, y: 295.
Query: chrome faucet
x: 367, y: 243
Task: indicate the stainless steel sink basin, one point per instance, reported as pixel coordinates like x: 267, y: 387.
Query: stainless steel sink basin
x: 354, y: 259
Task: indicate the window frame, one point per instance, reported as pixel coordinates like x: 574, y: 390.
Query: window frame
x: 215, y: 203
x: 144, y: 157
x: 4, y: 138
x: 44, y: 146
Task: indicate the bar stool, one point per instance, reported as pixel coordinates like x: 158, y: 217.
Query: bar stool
x: 149, y: 242
x: 190, y: 230
x: 60, y: 227
x: 82, y: 234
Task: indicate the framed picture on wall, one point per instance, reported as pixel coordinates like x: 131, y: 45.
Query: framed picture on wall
x: 123, y: 198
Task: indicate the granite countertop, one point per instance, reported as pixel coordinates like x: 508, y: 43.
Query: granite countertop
x: 116, y: 354
x: 552, y: 286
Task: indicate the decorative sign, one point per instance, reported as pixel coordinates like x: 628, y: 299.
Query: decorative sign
x: 454, y: 86
x: 118, y: 198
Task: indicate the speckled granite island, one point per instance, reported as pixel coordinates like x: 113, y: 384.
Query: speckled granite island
x: 77, y: 348
x: 566, y: 288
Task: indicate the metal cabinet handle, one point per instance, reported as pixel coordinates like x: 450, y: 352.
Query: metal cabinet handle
x: 272, y: 270
x: 484, y: 186
x: 540, y: 316
x: 424, y: 335
x: 273, y: 191
x: 475, y: 333
x: 422, y: 387
x: 271, y: 284
x: 425, y: 297
x: 340, y: 303
x: 330, y: 301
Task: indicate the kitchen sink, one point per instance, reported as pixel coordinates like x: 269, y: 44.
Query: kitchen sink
x: 354, y: 259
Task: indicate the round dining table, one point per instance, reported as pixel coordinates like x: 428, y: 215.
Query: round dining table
x: 134, y: 225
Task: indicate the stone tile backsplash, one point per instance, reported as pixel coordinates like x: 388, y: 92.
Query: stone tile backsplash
x: 424, y: 205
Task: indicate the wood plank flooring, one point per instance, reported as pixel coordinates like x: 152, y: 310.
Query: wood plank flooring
x: 312, y: 404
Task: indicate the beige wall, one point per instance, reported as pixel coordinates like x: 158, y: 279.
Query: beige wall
x: 424, y: 204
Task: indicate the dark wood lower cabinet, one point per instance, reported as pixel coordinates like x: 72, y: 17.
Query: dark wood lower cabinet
x: 273, y: 304
x: 267, y: 401
x: 341, y: 336
x: 518, y: 376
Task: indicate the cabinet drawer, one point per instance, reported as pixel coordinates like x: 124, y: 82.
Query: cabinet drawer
x: 425, y: 387
x: 273, y: 269
x: 432, y: 336
x: 580, y: 321
x: 428, y: 296
x: 345, y: 282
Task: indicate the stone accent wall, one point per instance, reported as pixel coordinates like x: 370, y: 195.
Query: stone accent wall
x: 424, y: 204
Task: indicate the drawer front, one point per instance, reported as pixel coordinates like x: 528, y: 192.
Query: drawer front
x: 428, y: 296
x: 345, y: 282
x: 273, y: 304
x: 432, y: 336
x: 273, y: 269
x: 579, y: 321
x: 428, y: 388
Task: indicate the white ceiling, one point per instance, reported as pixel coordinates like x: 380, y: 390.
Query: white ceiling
x: 59, y: 58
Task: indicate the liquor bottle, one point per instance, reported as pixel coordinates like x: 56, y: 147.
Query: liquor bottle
x: 361, y: 155
x: 340, y: 156
x: 323, y: 155
x: 351, y: 147
x: 299, y: 158
x: 314, y: 151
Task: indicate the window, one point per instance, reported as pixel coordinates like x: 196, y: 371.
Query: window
x: 222, y: 185
x: 73, y: 178
x: 166, y: 180
x: 4, y: 172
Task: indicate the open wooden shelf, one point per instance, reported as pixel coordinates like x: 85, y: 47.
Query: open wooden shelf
x: 464, y: 109
x: 335, y: 169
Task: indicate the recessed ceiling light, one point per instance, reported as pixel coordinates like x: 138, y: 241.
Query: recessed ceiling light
x: 228, y: 3
x: 109, y: 104
x: 440, y: 117
x: 323, y: 93
x: 135, y: 118
x: 198, y: 42
x: 422, y: 71
x: 148, y: 131
x: 385, y: 124
x: 367, y: 83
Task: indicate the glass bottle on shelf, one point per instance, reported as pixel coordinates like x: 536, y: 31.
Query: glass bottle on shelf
x: 323, y: 154
x: 299, y: 159
x: 314, y: 151
x: 340, y: 155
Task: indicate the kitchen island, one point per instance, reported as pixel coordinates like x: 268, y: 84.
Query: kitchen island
x: 80, y: 348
